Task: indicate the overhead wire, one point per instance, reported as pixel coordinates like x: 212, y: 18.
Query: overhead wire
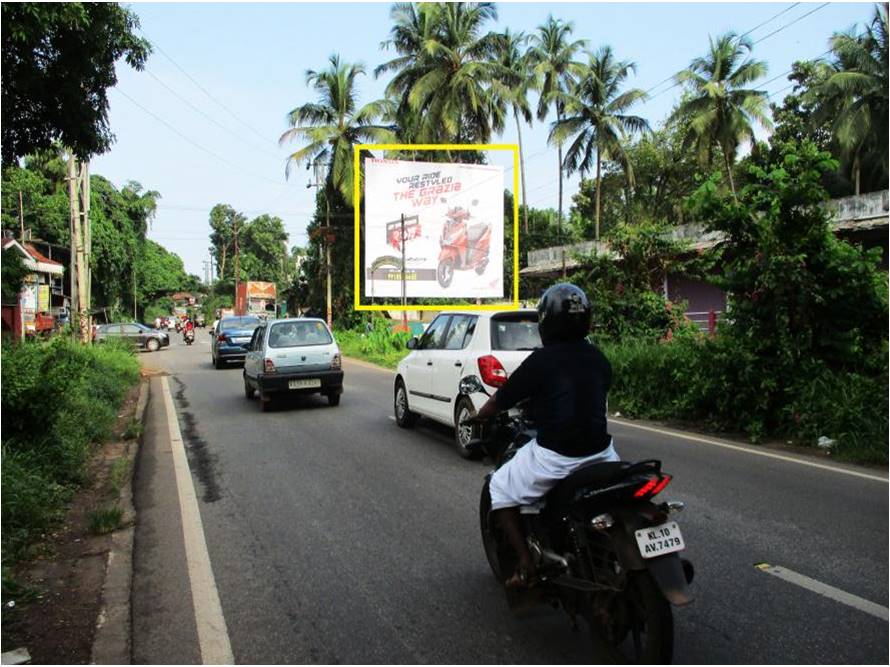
x: 186, y: 138
x: 205, y: 91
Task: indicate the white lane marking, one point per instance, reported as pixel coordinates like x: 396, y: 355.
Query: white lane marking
x: 213, y: 636
x: 824, y: 589
x: 749, y: 450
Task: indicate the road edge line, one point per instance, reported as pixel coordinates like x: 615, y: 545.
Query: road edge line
x: 830, y: 592
x: 369, y: 365
x: 213, y: 635
x: 748, y: 450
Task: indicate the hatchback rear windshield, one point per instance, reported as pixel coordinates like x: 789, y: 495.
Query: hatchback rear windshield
x: 517, y: 331
x: 299, y: 334
x: 239, y: 323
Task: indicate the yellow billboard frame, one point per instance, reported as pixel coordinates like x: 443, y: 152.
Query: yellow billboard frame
x: 507, y: 305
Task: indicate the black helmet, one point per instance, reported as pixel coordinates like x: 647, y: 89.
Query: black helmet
x: 563, y: 314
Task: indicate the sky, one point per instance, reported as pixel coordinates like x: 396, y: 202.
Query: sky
x: 200, y: 124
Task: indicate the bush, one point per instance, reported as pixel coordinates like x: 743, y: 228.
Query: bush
x: 380, y: 345
x: 714, y: 383
x: 59, y: 397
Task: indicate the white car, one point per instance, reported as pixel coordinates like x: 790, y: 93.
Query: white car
x: 490, y: 345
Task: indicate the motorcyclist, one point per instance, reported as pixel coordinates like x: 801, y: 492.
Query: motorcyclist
x: 188, y: 328
x: 566, y: 382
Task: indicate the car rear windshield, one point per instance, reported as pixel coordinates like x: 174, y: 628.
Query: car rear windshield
x: 239, y: 323
x: 516, y: 331
x: 298, y: 334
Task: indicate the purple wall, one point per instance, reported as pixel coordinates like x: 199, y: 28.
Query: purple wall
x: 700, y: 297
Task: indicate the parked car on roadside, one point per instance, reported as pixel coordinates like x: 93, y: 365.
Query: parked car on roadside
x: 140, y: 335
x: 293, y: 356
x: 455, y: 344
x: 231, y: 338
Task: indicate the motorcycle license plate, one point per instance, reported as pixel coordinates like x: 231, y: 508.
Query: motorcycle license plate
x: 660, y: 540
x: 304, y: 384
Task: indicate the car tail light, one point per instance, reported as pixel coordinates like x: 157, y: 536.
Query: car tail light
x: 492, y: 372
x: 653, y: 486
x: 336, y: 361
x: 269, y: 366
x: 221, y: 338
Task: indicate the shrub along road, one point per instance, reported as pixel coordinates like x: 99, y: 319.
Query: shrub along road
x: 334, y: 536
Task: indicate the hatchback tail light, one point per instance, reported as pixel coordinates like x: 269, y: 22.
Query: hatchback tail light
x: 336, y: 362
x: 269, y: 366
x: 492, y: 372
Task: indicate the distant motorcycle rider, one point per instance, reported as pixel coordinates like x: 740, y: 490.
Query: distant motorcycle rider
x: 566, y: 381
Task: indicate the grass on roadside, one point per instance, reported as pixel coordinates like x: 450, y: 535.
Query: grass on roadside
x: 117, y: 475
x: 106, y: 519
x: 134, y: 430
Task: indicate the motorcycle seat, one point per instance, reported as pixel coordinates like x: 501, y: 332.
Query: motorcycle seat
x: 594, y: 475
x: 475, y: 232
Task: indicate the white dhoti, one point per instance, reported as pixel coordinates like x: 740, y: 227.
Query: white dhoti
x: 535, y: 470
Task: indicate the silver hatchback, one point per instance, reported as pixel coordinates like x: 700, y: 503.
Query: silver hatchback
x: 293, y: 356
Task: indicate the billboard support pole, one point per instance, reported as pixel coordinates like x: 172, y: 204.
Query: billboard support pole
x: 404, y: 283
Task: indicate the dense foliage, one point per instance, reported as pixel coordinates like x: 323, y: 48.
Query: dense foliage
x: 59, y: 398
x: 58, y: 64
x: 14, y: 272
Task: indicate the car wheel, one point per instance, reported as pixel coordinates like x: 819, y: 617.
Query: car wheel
x: 265, y: 403
x: 333, y: 400
x: 152, y: 344
x: 404, y: 417
x: 464, y: 434
x: 248, y: 390
x: 217, y: 362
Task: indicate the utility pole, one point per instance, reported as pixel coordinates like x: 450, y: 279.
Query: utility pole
x: 74, y: 215
x: 237, y: 262
x: 88, y: 245
x: 21, y: 216
x: 404, y: 281
x: 327, y: 232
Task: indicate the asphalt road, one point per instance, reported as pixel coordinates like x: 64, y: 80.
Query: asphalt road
x: 336, y: 537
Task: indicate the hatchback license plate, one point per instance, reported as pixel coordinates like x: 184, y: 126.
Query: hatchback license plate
x: 303, y: 384
x: 660, y: 540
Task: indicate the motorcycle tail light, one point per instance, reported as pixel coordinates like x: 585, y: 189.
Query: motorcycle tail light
x: 653, y: 486
x: 491, y: 370
x: 269, y: 366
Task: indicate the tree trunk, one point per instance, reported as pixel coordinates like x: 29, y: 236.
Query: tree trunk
x: 522, y: 173
x: 559, y: 210
x: 222, y: 264
x: 598, y: 181
x: 729, y: 173
x: 856, y: 172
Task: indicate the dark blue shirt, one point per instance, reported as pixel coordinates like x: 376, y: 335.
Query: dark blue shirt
x: 567, y: 385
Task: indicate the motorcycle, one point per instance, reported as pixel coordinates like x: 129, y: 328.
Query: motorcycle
x: 604, y: 550
x: 188, y: 336
x: 462, y: 247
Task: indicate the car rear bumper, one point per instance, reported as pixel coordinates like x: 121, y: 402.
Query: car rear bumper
x: 331, y: 382
x: 230, y: 353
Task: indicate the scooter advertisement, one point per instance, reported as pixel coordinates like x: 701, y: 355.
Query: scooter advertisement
x: 452, y: 233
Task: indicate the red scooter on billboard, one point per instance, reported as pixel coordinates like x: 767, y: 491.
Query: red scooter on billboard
x: 462, y: 247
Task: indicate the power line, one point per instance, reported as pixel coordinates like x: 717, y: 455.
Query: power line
x: 797, y: 20
x: 196, y: 145
x: 205, y: 91
x: 208, y: 117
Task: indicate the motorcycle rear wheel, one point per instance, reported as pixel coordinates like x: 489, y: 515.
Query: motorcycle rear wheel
x: 640, y: 626
x: 489, y: 535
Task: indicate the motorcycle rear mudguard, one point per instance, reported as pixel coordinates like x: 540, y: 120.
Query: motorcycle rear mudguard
x: 669, y: 572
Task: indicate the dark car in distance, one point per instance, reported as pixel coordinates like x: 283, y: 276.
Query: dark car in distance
x: 141, y: 336
x: 231, y: 339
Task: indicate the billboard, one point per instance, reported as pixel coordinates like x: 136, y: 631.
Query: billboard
x: 452, y: 233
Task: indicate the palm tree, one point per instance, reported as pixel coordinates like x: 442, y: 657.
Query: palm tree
x: 596, y: 116
x: 720, y: 108
x: 330, y: 126
x: 511, y: 87
x: 553, y: 55
x: 856, y: 94
x: 443, y: 71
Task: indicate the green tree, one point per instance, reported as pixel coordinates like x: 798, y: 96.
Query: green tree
x: 854, y: 94
x: 14, y: 271
x: 58, y: 63
x: 596, y: 116
x: 224, y: 221
x: 553, y: 54
x: 330, y: 127
x: 444, y: 71
x: 721, y: 109
x: 263, y: 249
